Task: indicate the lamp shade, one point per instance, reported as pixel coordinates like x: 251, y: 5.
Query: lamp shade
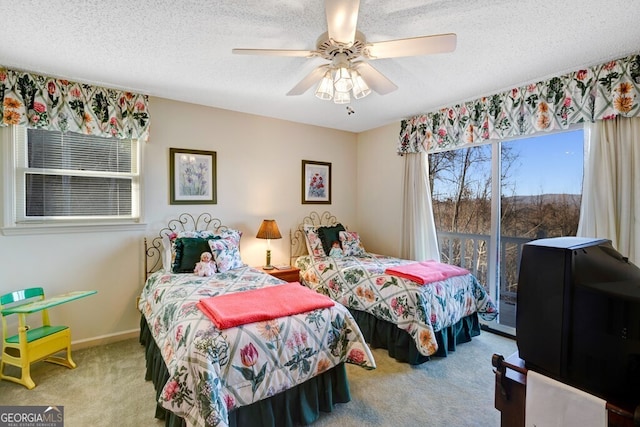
x: 269, y: 230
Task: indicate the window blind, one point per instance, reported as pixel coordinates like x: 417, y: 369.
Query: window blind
x: 71, y: 175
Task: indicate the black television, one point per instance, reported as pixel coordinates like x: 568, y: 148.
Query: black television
x: 578, y: 316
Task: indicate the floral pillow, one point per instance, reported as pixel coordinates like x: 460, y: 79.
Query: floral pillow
x: 314, y: 244
x: 226, y: 253
x: 229, y: 234
x: 351, y: 245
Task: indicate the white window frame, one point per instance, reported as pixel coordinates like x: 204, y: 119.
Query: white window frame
x: 14, y: 223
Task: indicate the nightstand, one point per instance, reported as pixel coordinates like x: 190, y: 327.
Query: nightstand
x: 292, y: 274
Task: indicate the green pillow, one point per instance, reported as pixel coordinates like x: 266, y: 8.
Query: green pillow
x: 188, y: 251
x: 328, y: 235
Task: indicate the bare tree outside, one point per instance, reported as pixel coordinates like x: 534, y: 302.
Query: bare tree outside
x: 461, y: 194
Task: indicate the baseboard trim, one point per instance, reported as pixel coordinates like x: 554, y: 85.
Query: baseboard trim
x: 105, y: 339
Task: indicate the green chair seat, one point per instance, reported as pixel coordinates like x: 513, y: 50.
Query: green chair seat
x: 37, y: 333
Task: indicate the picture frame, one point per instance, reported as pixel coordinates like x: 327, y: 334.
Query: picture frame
x: 192, y: 176
x: 316, y: 182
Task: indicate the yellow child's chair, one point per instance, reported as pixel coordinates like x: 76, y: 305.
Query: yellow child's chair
x: 31, y: 344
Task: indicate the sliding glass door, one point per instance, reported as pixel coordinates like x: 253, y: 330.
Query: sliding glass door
x: 538, y: 183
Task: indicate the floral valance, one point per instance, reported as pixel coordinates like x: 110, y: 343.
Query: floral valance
x: 44, y: 102
x: 600, y: 92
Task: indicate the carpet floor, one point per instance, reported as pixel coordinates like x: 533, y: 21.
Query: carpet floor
x: 108, y: 389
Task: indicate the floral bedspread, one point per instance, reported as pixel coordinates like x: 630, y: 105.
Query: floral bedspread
x: 212, y: 371
x: 360, y: 283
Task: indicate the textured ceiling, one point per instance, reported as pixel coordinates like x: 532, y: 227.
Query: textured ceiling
x: 181, y: 50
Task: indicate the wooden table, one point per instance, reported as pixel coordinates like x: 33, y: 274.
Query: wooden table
x: 511, y: 390
x: 292, y: 274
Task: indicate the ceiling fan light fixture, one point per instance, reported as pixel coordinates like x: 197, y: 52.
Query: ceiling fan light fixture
x: 341, y: 97
x: 360, y: 87
x: 342, y: 45
x: 342, y: 80
x: 325, y: 88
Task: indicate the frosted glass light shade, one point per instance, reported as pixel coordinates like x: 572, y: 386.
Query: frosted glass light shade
x: 342, y: 80
x: 325, y: 88
x: 341, y: 97
x: 360, y: 87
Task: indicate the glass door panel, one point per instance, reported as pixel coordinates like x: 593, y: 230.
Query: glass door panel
x: 541, y: 189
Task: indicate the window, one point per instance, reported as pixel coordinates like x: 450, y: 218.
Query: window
x: 493, y: 198
x: 67, y: 178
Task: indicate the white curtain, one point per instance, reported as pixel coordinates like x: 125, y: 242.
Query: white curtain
x: 418, y: 240
x: 611, y: 191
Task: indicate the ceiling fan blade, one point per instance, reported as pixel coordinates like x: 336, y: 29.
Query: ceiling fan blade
x: 439, y: 43
x: 342, y: 17
x: 275, y: 52
x: 374, y: 78
x: 308, y: 81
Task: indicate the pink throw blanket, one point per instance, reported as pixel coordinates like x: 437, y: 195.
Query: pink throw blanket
x: 262, y: 304
x: 426, y: 271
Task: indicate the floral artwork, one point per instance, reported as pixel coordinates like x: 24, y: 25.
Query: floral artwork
x: 316, y: 185
x: 316, y: 182
x: 192, y: 176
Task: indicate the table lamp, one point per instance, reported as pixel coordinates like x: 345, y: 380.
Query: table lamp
x: 268, y: 230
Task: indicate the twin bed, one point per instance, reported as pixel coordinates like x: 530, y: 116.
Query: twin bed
x: 284, y: 370
x: 281, y: 371
x: 412, y: 321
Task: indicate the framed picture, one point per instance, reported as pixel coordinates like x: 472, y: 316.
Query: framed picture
x: 316, y: 182
x: 193, y: 177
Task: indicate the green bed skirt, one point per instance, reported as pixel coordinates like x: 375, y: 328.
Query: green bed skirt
x: 399, y: 344
x: 300, y: 405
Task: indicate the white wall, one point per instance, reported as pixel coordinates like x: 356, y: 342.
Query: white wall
x: 258, y: 172
x: 379, y: 191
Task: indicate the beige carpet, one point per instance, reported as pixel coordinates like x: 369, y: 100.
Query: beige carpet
x: 108, y: 389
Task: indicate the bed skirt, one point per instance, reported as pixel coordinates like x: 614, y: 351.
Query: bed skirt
x: 399, y: 344
x: 300, y: 405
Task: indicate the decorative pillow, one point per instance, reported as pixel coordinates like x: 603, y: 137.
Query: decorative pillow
x: 328, y: 235
x: 172, y: 253
x: 187, y: 253
x: 203, y: 234
x: 167, y: 254
x: 231, y: 234
x: 351, y: 245
x: 226, y: 253
x: 314, y: 244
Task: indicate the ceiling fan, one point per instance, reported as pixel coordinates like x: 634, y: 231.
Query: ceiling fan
x: 348, y: 51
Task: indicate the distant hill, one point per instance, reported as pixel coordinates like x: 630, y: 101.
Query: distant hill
x: 551, y: 199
